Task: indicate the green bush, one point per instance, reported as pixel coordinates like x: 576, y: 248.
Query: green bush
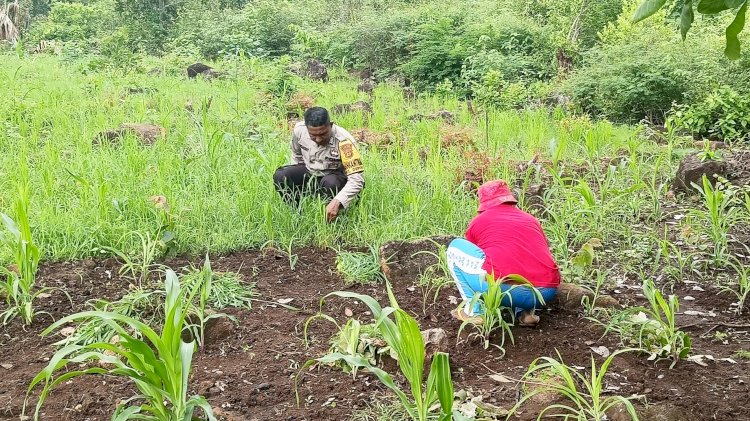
x: 73, y: 22
x: 724, y: 114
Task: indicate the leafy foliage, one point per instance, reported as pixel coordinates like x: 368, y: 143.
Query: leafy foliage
x: 723, y: 114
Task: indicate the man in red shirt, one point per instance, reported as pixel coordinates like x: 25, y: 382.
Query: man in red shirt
x: 503, y: 240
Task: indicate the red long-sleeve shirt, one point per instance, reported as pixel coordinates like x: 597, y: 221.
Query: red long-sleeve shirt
x: 514, y: 244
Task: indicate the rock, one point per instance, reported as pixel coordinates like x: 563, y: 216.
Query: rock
x: 197, y: 68
x: 359, y: 106
x: 212, y: 74
x: 534, y: 199
x: 367, y: 86
x: 444, y: 115
x: 569, y: 297
x: 409, y: 259
x: 148, y: 134
x: 6, y: 366
x: 317, y: 71
x: 217, y: 330
x: 225, y: 415
x: 263, y: 386
x: 712, y: 144
x: 692, y: 170
x: 666, y: 412
x: 409, y: 93
x: 435, y: 340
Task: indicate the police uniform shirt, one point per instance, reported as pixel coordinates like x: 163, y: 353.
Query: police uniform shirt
x: 339, y: 155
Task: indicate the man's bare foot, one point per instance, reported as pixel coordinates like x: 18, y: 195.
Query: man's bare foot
x: 528, y: 319
x: 462, y: 316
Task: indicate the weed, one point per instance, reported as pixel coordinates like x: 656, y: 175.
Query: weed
x: 359, y: 268
x: 140, y: 266
x: 584, y: 393
x: 159, y: 365
x: 743, y: 354
x: 199, y: 315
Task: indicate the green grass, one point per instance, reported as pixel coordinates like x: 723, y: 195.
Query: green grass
x: 215, y: 165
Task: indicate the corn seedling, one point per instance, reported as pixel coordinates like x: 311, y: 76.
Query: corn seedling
x: 140, y: 302
x: 20, y: 281
x: 720, y: 215
x: 588, y: 302
x: 401, y: 333
x: 353, y: 338
x: 199, y: 314
x: 227, y: 289
x: 359, y: 268
x: 742, y: 289
x: 584, y: 395
x: 653, y: 328
x: 492, y: 311
x: 158, y: 365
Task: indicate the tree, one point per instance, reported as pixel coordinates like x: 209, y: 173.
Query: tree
x: 687, y: 10
x: 10, y: 21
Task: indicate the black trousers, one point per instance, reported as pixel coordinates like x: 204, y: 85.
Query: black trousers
x: 292, y: 181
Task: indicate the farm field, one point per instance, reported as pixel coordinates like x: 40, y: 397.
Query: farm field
x: 111, y: 213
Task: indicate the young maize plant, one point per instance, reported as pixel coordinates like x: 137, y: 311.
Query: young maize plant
x: 720, y: 216
x: 653, y: 328
x: 158, y: 365
x: 492, y: 310
x: 19, y: 282
x: 584, y: 393
x: 403, y: 336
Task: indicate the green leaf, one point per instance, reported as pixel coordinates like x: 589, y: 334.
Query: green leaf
x: 648, y: 8
x: 732, y: 50
x: 712, y: 7
x: 686, y: 18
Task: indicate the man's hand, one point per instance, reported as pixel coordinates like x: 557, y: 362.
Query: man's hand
x: 332, y: 210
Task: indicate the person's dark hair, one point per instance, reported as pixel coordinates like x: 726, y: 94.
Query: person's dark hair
x: 316, y: 117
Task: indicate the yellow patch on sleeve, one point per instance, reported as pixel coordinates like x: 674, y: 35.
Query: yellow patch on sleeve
x: 350, y: 157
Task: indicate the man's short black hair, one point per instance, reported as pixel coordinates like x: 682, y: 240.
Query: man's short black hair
x: 317, y: 117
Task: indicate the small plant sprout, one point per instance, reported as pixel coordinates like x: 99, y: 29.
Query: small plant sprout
x: 401, y: 332
x: 720, y: 215
x: 584, y: 395
x: 200, y: 313
x: 140, y: 266
x: 742, y: 288
x: 158, y: 365
x: 492, y: 312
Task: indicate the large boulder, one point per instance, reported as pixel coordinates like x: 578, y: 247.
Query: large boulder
x: 317, y: 71
x: 692, y: 169
x: 148, y: 134
x: 204, y: 70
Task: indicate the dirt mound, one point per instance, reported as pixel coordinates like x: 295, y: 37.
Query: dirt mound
x: 367, y: 86
x: 409, y: 259
x: 738, y: 167
x: 732, y: 165
x: 148, y: 134
x: 374, y: 139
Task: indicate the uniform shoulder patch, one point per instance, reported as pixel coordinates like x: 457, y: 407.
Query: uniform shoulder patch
x: 350, y: 157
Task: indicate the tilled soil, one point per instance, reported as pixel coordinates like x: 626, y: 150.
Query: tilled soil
x: 249, y: 373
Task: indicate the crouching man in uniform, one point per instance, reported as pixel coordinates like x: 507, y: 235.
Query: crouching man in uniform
x: 325, y: 162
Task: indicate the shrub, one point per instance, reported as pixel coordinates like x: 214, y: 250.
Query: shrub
x: 724, y: 114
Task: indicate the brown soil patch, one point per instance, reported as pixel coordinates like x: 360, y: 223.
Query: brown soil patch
x: 249, y: 375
